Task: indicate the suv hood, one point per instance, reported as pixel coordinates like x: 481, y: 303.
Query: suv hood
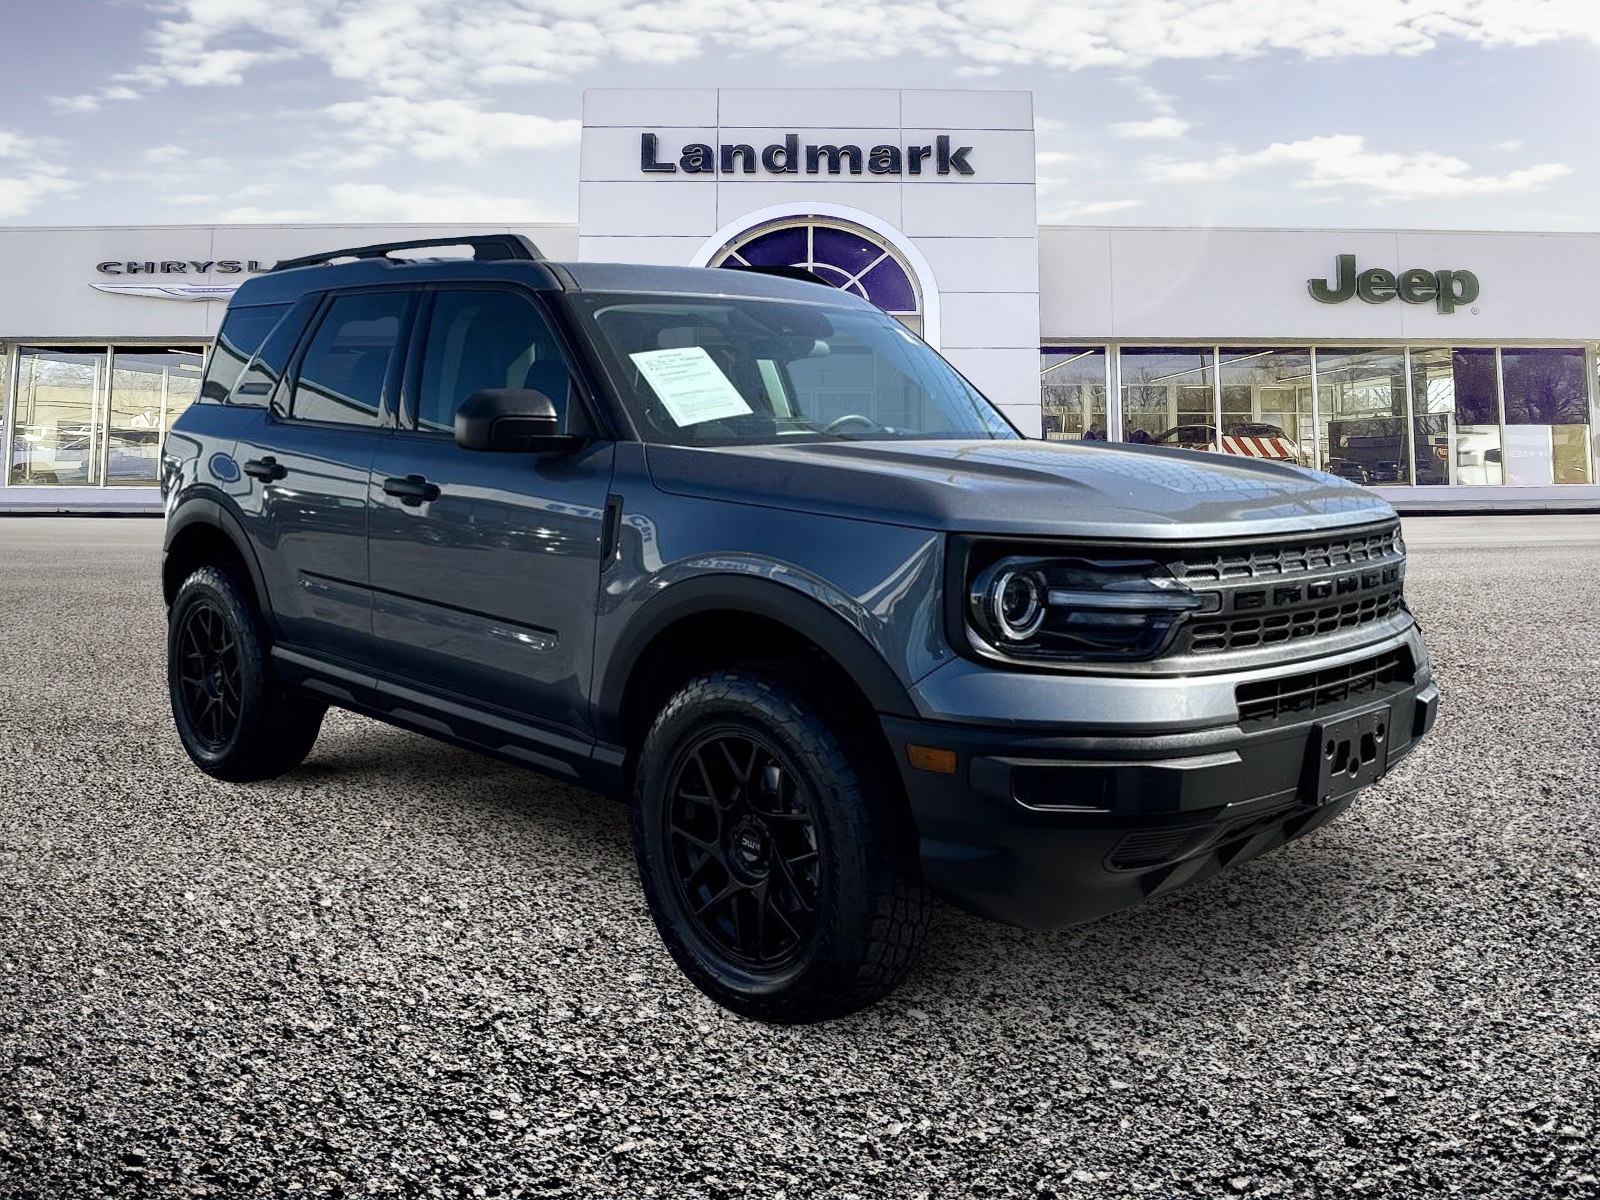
x: 1047, y: 489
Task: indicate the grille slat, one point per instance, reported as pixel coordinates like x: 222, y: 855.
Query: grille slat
x: 1287, y: 558
x: 1243, y: 633
x: 1270, y: 699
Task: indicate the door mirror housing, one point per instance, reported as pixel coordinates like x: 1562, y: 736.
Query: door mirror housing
x: 518, y: 420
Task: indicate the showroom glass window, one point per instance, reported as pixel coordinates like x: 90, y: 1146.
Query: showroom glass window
x: 342, y: 375
x: 1456, y: 416
x: 55, y: 433
x: 97, y: 417
x: 1547, y: 416
x: 149, y: 388
x: 1266, y: 403
x: 1167, y: 397
x: 1072, y: 386
x: 1362, y: 403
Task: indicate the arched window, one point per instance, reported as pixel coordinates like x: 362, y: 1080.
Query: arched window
x: 846, y: 255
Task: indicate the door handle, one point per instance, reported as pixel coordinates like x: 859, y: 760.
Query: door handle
x: 412, y: 490
x: 266, y: 469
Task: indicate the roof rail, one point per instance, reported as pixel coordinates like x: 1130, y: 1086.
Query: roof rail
x: 486, y: 247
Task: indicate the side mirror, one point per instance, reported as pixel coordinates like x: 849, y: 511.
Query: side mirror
x: 512, y: 419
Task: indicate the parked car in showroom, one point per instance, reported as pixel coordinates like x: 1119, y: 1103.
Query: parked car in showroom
x: 612, y: 523
x: 1252, y: 439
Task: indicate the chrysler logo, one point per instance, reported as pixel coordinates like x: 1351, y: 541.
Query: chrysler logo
x: 170, y: 291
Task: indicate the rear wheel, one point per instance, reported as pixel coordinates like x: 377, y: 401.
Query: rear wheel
x: 778, y: 863
x: 235, y: 721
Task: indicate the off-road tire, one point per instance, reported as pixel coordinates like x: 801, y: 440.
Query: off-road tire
x: 872, y: 915
x: 234, y: 719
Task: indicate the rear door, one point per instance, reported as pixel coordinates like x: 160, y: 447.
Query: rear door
x: 308, y: 463
x: 485, y: 566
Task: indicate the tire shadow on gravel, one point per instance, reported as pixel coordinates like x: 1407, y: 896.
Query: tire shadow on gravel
x: 1303, y: 910
x: 1261, y: 921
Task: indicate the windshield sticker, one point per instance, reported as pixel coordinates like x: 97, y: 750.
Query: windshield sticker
x: 691, y: 386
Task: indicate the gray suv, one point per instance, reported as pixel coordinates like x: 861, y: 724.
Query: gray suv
x: 742, y: 552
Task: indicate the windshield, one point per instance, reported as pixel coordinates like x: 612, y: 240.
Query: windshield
x: 717, y: 371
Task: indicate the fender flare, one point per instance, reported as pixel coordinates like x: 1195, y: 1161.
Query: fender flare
x: 210, y: 512
x: 831, y: 633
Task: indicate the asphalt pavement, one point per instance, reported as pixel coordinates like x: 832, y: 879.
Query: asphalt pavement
x: 404, y: 970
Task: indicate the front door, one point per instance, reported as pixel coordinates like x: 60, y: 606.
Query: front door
x: 485, y: 565
x: 308, y: 462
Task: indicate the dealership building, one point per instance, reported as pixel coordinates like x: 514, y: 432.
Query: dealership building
x: 1445, y: 370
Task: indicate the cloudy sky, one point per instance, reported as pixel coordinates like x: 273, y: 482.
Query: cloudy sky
x: 1477, y: 114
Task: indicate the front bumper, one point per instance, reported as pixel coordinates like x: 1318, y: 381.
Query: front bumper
x: 1046, y: 829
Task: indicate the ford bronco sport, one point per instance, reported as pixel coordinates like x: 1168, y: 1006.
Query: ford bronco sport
x: 740, y: 550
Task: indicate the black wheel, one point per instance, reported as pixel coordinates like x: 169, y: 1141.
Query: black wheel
x: 233, y: 718
x: 776, y: 855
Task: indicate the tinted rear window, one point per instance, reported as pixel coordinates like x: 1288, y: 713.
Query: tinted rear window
x: 243, y: 331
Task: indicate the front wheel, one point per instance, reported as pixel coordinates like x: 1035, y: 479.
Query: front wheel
x: 235, y: 721
x: 777, y: 860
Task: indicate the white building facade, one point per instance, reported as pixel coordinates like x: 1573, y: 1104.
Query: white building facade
x: 1443, y: 369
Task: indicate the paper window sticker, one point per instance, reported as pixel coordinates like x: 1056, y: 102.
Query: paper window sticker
x: 692, y: 388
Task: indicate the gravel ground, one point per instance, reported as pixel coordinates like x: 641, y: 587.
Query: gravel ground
x: 405, y: 970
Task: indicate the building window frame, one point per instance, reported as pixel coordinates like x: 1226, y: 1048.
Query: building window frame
x: 12, y: 349
x: 1114, y: 407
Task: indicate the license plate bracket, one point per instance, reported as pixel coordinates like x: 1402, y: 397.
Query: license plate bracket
x: 1348, y: 754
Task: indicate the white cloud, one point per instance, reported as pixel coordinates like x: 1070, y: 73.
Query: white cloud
x: 426, y: 48
x: 1344, y: 161
x: 1155, y: 127
x: 165, y: 155
x: 1061, y: 180
x: 378, y: 203
x: 448, y: 129
x: 20, y: 194
x: 424, y: 70
x: 26, y: 178
x: 74, y: 104
x: 15, y: 145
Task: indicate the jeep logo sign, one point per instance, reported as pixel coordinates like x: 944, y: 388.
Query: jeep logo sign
x: 1445, y: 289
x: 787, y: 158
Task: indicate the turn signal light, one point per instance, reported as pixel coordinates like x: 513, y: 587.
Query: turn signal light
x: 931, y: 758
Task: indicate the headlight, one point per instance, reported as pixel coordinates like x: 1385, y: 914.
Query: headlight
x: 1076, y: 609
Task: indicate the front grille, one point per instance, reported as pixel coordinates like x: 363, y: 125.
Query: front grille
x: 1296, y: 557
x: 1309, y: 691
x: 1242, y: 633
x: 1287, y: 590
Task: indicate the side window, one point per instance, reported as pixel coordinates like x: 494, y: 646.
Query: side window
x: 487, y: 339
x: 341, y: 376
x: 243, y: 330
